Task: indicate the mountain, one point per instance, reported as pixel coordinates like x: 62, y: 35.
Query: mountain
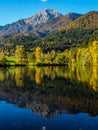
x: 26, y: 25
x: 87, y: 21
x: 42, y: 17
x: 13, y: 28
x: 1, y: 27
x: 59, y: 22
x: 76, y: 34
x: 40, y: 24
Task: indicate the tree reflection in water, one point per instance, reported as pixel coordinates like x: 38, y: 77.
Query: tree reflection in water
x: 50, y: 91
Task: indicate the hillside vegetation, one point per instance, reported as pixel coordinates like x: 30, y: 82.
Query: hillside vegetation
x: 77, y: 44
x: 75, y: 34
x: 87, y: 21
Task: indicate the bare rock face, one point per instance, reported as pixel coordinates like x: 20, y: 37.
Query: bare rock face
x: 42, y: 17
x: 59, y: 22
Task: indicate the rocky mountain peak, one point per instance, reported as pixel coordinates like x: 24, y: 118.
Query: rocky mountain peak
x: 50, y: 12
x: 42, y: 17
x: 46, y: 20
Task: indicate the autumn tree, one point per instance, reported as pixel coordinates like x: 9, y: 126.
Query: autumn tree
x: 2, y: 58
x: 39, y: 55
x: 20, y: 54
x: 31, y: 57
x: 95, y: 52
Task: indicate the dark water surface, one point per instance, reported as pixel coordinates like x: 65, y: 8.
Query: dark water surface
x: 49, y: 98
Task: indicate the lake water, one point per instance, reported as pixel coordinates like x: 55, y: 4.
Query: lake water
x: 49, y: 98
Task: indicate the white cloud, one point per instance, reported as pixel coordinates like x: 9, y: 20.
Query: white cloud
x: 43, y: 0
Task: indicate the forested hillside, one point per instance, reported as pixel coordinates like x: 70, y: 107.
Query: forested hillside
x: 78, y: 33
x: 87, y: 21
x: 75, y: 45
x: 75, y: 34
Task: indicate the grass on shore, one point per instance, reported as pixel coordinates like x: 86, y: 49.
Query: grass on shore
x: 10, y: 60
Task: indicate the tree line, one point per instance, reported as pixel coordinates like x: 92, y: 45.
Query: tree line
x: 87, y: 55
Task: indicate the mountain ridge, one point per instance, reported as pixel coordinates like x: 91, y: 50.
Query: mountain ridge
x: 28, y: 24
x: 76, y: 34
x: 48, y: 18
x: 60, y: 22
x: 87, y: 21
x: 59, y: 40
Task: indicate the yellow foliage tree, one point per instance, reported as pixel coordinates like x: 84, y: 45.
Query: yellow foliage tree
x: 20, y: 54
x: 39, y: 55
x: 2, y: 58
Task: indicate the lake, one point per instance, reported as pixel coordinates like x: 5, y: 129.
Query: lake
x: 49, y: 98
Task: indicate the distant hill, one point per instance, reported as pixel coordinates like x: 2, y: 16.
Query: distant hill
x: 87, y: 21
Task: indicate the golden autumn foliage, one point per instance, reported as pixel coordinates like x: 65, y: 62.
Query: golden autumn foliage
x: 84, y: 55
x: 2, y: 58
x: 20, y: 54
x: 19, y: 76
x: 84, y: 74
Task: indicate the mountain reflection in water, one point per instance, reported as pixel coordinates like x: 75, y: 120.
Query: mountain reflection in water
x: 50, y: 91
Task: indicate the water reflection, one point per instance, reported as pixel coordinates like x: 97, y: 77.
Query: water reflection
x: 19, y: 76
x: 49, y: 91
x: 87, y: 75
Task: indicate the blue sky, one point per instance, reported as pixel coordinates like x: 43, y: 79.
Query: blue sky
x: 13, y: 10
